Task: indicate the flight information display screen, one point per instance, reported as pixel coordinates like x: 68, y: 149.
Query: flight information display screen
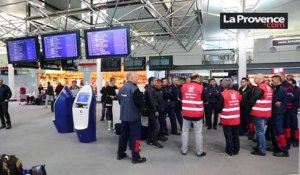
x: 161, y: 62
x: 83, y: 97
x: 110, y: 64
x: 22, y: 49
x: 137, y: 63
x: 107, y: 42
x: 61, y: 46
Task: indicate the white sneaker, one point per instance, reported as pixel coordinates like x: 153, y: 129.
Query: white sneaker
x: 225, y: 155
x: 109, y: 129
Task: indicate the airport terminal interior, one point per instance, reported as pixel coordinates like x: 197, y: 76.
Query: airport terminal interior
x: 66, y: 66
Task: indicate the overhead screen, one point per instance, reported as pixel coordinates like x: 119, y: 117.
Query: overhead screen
x: 161, y: 62
x: 61, y: 46
x: 24, y: 49
x: 107, y: 42
x: 110, y: 64
x: 135, y: 64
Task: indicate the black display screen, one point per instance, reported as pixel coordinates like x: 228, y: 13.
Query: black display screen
x: 110, y: 64
x: 135, y: 64
x: 161, y: 62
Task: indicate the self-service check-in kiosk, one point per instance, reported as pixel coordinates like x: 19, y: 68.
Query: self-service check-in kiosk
x: 63, y: 118
x: 84, y: 115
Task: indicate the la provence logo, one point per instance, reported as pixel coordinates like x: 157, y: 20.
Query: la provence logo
x: 253, y: 20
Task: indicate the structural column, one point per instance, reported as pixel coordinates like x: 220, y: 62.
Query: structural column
x: 87, y: 76
x: 99, y: 79
x: 242, y: 59
x: 11, y: 79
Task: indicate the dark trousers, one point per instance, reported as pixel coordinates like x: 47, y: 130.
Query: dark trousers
x: 268, y: 133
x: 232, y: 139
x: 175, y: 114
x: 294, y: 127
x: 103, y: 110
x: 291, y: 126
x: 130, y: 131
x: 4, y: 115
x: 205, y: 114
x: 109, y: 113
x: 153, y: 127
x: 30, y: 99
x: 244, y: 122
x: 179, y: 116
x: 278, y: 138
x: 163, y: 124
x: 210, y: 110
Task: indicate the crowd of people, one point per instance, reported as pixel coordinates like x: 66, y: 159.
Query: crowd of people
x: 243, y: 111
x: 47, y: 94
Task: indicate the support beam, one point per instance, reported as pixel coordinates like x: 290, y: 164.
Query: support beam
x: 164, y: 23
x: 86, y: 10
x: 242, y: 45
x: 99, y: 79
x: 11, y: 79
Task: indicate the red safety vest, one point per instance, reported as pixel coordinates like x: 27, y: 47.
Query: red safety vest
x: 263, y: 107
x: 230, y: 114
x: 192, y: 103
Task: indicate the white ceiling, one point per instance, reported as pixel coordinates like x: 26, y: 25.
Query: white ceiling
x: 212, y: 34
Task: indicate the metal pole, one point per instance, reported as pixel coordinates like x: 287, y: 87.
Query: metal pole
x: 242, y: 38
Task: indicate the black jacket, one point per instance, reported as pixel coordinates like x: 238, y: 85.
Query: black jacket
x: 166, y: 93
x: 50, y: 90
x: 256, y: 94
x: 104, y: 94
x: 111, y: 91
x: 279, y: 95
x: 175, y: 96
x: 151, y: 98
x: 5, y: 93
x: 162, y: 104
x: 213, y: 93
x: 296, y: 103
x: 246, y: 94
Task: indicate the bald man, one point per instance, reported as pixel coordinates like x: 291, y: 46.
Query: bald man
x: 131, y: 100
x: 5, y: 95
x: 193, y: 98
x: 260, y: 104
x: 288, y: 116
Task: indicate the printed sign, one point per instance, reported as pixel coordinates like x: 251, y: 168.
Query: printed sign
x: 253, y: 20
x: 286, y: 42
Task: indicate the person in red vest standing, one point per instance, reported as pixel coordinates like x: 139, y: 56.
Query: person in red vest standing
x: 229, y: 108
x: 193, y: 97
x: 261, y: 108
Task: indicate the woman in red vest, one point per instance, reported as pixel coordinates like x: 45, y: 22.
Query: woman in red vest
x: 229, y: 107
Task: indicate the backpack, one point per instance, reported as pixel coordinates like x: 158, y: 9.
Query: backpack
x: 10, y: 165
x: 38, y: 170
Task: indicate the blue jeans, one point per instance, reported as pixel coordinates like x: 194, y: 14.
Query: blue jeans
x: 260, y: 133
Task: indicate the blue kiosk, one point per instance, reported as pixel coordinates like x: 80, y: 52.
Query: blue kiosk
x: 84, y: 115
x: 63, y: 118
